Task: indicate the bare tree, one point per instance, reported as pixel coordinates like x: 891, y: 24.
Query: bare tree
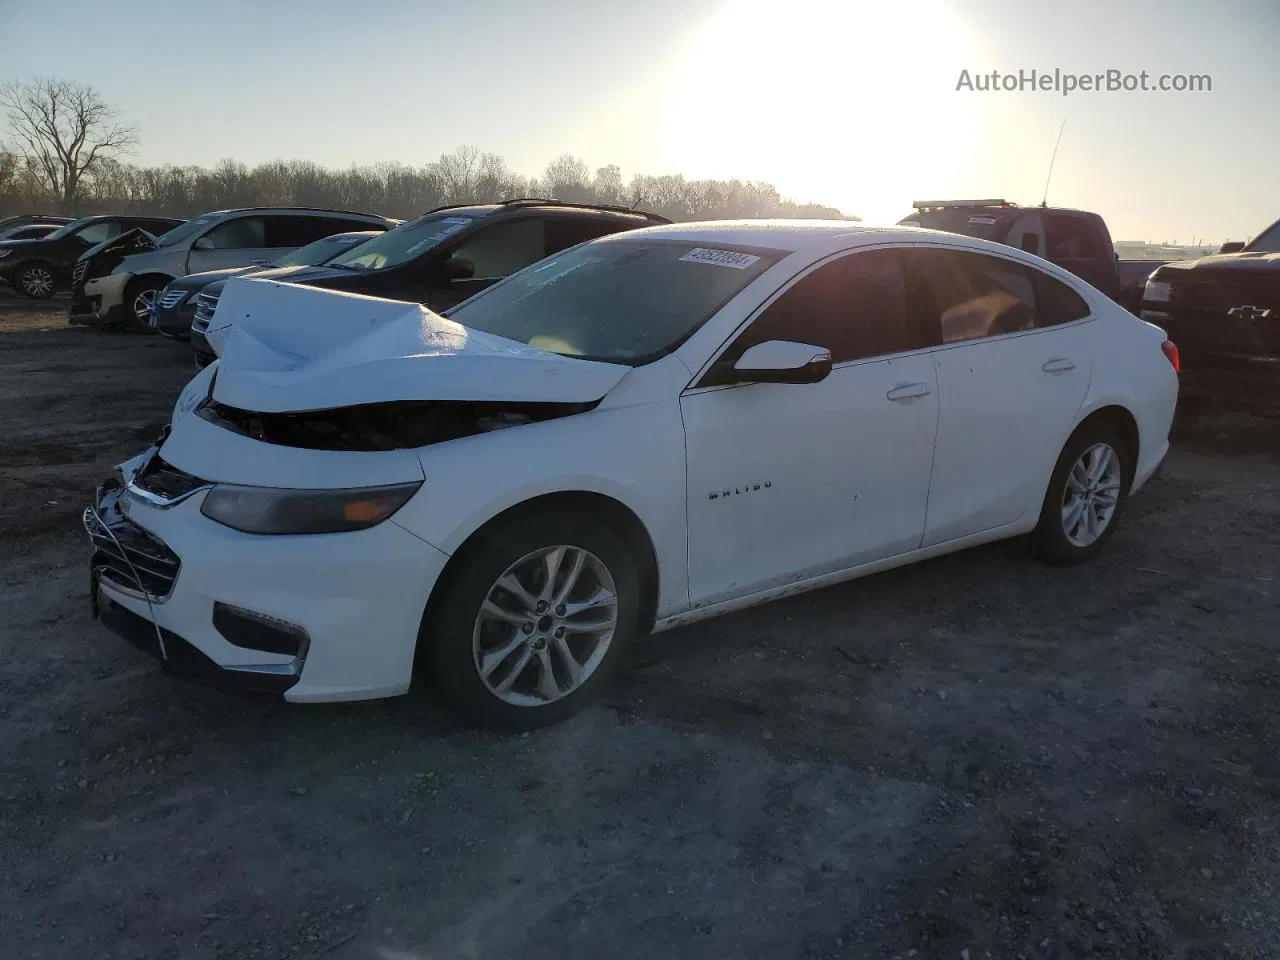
x: 63, y: 130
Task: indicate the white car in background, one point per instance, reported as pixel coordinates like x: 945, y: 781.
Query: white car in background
x: 639, y: 432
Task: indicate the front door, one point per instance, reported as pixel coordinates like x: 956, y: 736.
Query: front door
x: 790, y: 481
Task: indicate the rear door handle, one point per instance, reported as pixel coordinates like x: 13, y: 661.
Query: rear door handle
x: 906, y: 392
x: 1058, y: 365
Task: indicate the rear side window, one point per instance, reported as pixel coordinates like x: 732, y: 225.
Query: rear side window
x: 1056, y: 302
x: 974, y: 295
x: 243, y: 233
x: 504, y: 248
x: 566, y: 232
x: 1072, y: 238
x: 858, y: 306
x: 296, y: 231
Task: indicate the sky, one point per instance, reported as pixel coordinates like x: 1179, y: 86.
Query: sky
x: 851, y: 103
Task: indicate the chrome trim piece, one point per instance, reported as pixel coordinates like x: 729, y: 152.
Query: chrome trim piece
x: 163, y: 503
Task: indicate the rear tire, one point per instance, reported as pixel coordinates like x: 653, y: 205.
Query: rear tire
x: 518, y: 659
x: 1086, y: 496
x: 36, y: 281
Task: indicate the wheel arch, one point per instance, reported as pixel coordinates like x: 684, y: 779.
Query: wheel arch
x: 1122, y: 420
x: 620, y: 517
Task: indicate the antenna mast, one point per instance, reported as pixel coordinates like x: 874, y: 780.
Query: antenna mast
x: 1045, y: 199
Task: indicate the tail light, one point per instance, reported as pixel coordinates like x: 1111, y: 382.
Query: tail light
x: 1170, y: 351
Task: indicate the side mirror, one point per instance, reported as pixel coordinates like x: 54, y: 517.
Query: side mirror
x: 456, y: 269
x: 204, y: 243
x: 782, y: 361
x: 1231, y: 246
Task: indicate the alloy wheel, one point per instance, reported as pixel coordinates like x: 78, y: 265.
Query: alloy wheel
x: 37, y: 282
x: 142, y: 305
x: 545, y: 626
x: 1091, y: 496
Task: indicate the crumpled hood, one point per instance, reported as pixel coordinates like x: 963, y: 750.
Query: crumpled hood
x: 292, y: 348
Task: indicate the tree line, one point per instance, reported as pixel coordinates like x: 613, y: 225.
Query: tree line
x: 66, y: 153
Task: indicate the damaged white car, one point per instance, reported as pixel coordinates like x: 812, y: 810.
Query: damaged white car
x: 644, y: 430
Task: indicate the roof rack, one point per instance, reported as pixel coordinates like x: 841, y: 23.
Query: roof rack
x: 943, y: 204
x: 552, y: 202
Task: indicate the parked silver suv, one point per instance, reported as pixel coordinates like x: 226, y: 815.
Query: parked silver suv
x: 110, y: 289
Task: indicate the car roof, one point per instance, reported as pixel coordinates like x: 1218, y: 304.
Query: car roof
x: 779, y: 234
x: 320, y: 210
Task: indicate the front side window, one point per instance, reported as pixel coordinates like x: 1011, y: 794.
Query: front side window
x: 95, y: 233
x: 243, y: 233
x: 618, y: 300
x: 858, y: 306
x: 504, y: 248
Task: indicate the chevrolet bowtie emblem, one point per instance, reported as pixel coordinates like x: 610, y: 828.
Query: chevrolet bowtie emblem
x: 1249, y: 312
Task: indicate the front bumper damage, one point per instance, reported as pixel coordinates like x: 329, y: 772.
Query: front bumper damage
x: 301, y: 618
x: 100, y: 303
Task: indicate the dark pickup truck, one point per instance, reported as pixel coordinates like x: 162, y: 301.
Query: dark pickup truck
x: 1076, y: 240
x: 1223, y: 311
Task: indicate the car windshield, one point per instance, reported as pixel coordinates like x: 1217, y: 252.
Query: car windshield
x: 970, y: 222
x: 620, y: 301
x: 69, y: 228
x: 184, y: 231
x: 402, y: 243
x: 1268, y: 241
x: 321, y: 251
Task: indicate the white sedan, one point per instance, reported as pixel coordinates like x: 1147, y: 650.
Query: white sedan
x: 640, y: 432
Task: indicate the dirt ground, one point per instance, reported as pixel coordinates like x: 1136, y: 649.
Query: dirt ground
x: 976, y: 757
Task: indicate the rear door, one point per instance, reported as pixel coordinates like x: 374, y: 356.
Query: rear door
x: 494, y: 252
x: 1013, y: 371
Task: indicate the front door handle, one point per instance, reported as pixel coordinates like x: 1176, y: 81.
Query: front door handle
x: 906, y: 392
x: 1058, y: 365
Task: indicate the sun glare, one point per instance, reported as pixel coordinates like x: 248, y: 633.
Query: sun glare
x: 845, y: 103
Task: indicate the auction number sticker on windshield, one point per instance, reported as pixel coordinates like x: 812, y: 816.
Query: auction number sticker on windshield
x: 455, y: 225
x: 720, y: 258
x: 987, y: 220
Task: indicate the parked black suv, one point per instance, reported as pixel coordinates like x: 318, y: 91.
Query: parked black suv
x: 38, y: 268
x: 1223, y: 311
x: 447, y: 254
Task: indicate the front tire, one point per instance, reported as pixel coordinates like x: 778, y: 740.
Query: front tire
x: 138, y: 297
x: 1086, y: 496
x: 36, y: 281
x: 534, y: 621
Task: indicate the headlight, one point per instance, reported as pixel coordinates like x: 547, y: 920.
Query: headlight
x: 1159, y: 291
x: 274, y: 511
